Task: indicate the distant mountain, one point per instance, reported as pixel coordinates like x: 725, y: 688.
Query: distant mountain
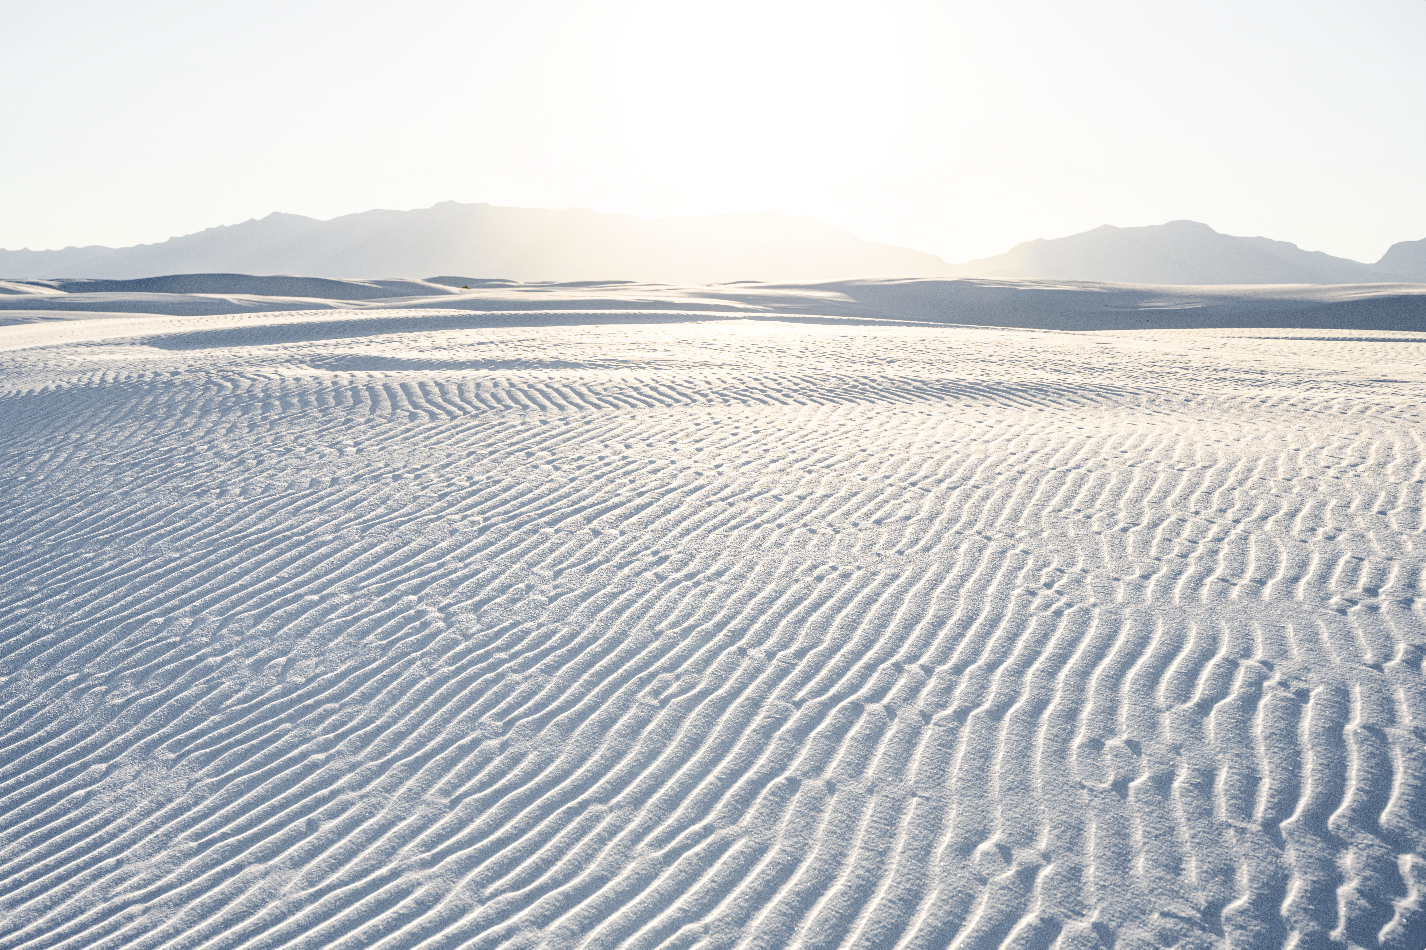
x: 1184, y: 252
x: 526, y: 244
x: 534, y: 244
x: 1405, y: 257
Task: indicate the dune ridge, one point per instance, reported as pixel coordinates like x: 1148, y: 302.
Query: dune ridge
x: 1041, y: 304
x: 817, y: 617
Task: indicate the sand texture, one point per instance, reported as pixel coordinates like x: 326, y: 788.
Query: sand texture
x: 712, y: 626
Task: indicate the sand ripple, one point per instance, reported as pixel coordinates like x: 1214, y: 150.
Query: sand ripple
x: 712, y: 634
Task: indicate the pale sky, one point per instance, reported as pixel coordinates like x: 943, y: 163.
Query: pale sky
x: 959, y: 128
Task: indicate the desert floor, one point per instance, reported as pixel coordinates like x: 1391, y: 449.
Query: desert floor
x: 427, y: 628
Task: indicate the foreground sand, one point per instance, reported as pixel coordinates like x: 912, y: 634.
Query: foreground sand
x: 428, y: 629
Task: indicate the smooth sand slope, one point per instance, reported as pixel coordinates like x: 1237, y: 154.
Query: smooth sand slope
x: 714, y: 626
x: 1041, y: 304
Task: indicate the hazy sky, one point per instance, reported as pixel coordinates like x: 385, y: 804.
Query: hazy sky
x: 960, y: 128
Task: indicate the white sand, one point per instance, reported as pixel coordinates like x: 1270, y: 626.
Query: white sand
x: 430, y: 628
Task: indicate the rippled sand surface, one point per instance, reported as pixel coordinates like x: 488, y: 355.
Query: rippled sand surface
x: 424, y: 629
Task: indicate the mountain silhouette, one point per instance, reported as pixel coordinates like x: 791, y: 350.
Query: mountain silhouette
x: 534, y: 244
x: 527, y: 244
x: 1185, y: 252
x: 1407, y: 258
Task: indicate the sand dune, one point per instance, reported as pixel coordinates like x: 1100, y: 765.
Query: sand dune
x: 1042, y: 304
x: 752, y: 616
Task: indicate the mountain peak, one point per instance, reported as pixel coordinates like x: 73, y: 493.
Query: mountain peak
x: 488, y: 241
x: 1407, y: 258
x: 1176, y: 252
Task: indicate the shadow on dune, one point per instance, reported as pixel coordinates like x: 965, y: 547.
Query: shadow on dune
x: 313, y: 331
x: 1025, y: 304
x: 1087, y: 306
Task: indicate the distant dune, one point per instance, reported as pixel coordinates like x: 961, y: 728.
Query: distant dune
x: 1040, y: 304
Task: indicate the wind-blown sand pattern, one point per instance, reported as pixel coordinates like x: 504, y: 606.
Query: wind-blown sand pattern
x: 419, y: 629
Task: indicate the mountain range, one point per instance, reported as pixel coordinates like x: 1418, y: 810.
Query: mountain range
x: 525, y: 244
x: 531, y: 244
x: 1186, y: 252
